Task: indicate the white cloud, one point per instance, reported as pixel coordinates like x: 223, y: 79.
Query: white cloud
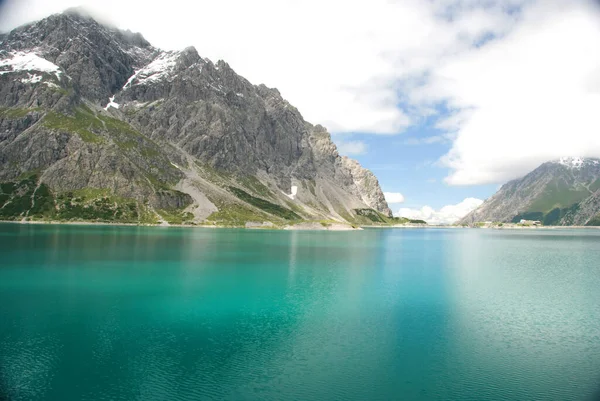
x: 528, y: 98
x: 393, y: 197
x: 447, y: 215
x: 351, y: 147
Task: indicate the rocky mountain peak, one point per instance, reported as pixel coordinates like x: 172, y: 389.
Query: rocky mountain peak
x: 188, y: 57
x: 95, y: 58
x: 99, y: 96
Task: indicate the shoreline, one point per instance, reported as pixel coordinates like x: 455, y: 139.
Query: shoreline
x: 305, y: 226
x: 102, y: 223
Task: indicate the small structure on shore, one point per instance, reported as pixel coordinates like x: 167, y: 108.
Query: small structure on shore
x: 530, y: 222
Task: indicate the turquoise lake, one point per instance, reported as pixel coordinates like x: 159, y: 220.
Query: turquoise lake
x: 152, y: 313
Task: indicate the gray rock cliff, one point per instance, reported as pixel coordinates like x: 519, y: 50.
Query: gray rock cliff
x: 87, y: 106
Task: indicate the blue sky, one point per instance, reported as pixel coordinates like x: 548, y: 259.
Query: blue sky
x: 409, y: 163
x: 413, y: 169
x: 519, y: 80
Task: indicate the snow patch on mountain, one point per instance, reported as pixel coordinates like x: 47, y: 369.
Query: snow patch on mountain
x: 130, y: 80
x: 573, y: 162
x: 31, y: 79
x: 111, y: 103
x: 578, y: 162
x: 28, y: 61
x: 157, y: 70
x: 292, y: 196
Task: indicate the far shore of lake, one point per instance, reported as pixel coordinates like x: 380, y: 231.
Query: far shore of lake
x: 304, y: 226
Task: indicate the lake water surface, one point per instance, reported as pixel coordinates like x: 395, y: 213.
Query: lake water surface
x: 149, y: 313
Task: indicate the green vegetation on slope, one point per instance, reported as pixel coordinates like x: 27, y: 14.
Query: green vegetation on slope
x: 253, y: 184
x: 83, y: 123
x: 99, y: 129
x: 25, y: 197
x: 14, y: 112
x: 126, y: 137
x: 28, y: 199
x: 236, y: 215
x: 341, y: 210
x: 558, y: 194
x: 176, y: 216
x: 73, y: 206
x: 213, y: 175
x: 548, y: 219
x: 268, y: 207
x: 372, y: 216
x: 555, y: 215
x: 90, y: 127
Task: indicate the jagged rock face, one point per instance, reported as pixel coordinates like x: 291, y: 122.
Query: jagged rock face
x: 88, y: 105
x: 367, y: 185
x: 563, y: 192
x: 217, y: 116
x: 97, y: 60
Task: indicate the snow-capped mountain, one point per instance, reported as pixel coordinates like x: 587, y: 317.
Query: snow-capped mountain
x: 87, y: 109
x: 562, y: 192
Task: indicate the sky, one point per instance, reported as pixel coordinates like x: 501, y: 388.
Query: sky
x: 444, y: 100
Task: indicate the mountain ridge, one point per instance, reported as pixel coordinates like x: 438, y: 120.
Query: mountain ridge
x: 85, y: 106
x: 561, y: 192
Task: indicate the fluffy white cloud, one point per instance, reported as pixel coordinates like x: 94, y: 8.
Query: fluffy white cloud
x: 393, y: 197
x: 351, y: 147
x: 526, y: 98
x: 447, y: 215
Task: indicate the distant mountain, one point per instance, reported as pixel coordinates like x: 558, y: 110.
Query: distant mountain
x: 97, y: 124
x: 563, y: 192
